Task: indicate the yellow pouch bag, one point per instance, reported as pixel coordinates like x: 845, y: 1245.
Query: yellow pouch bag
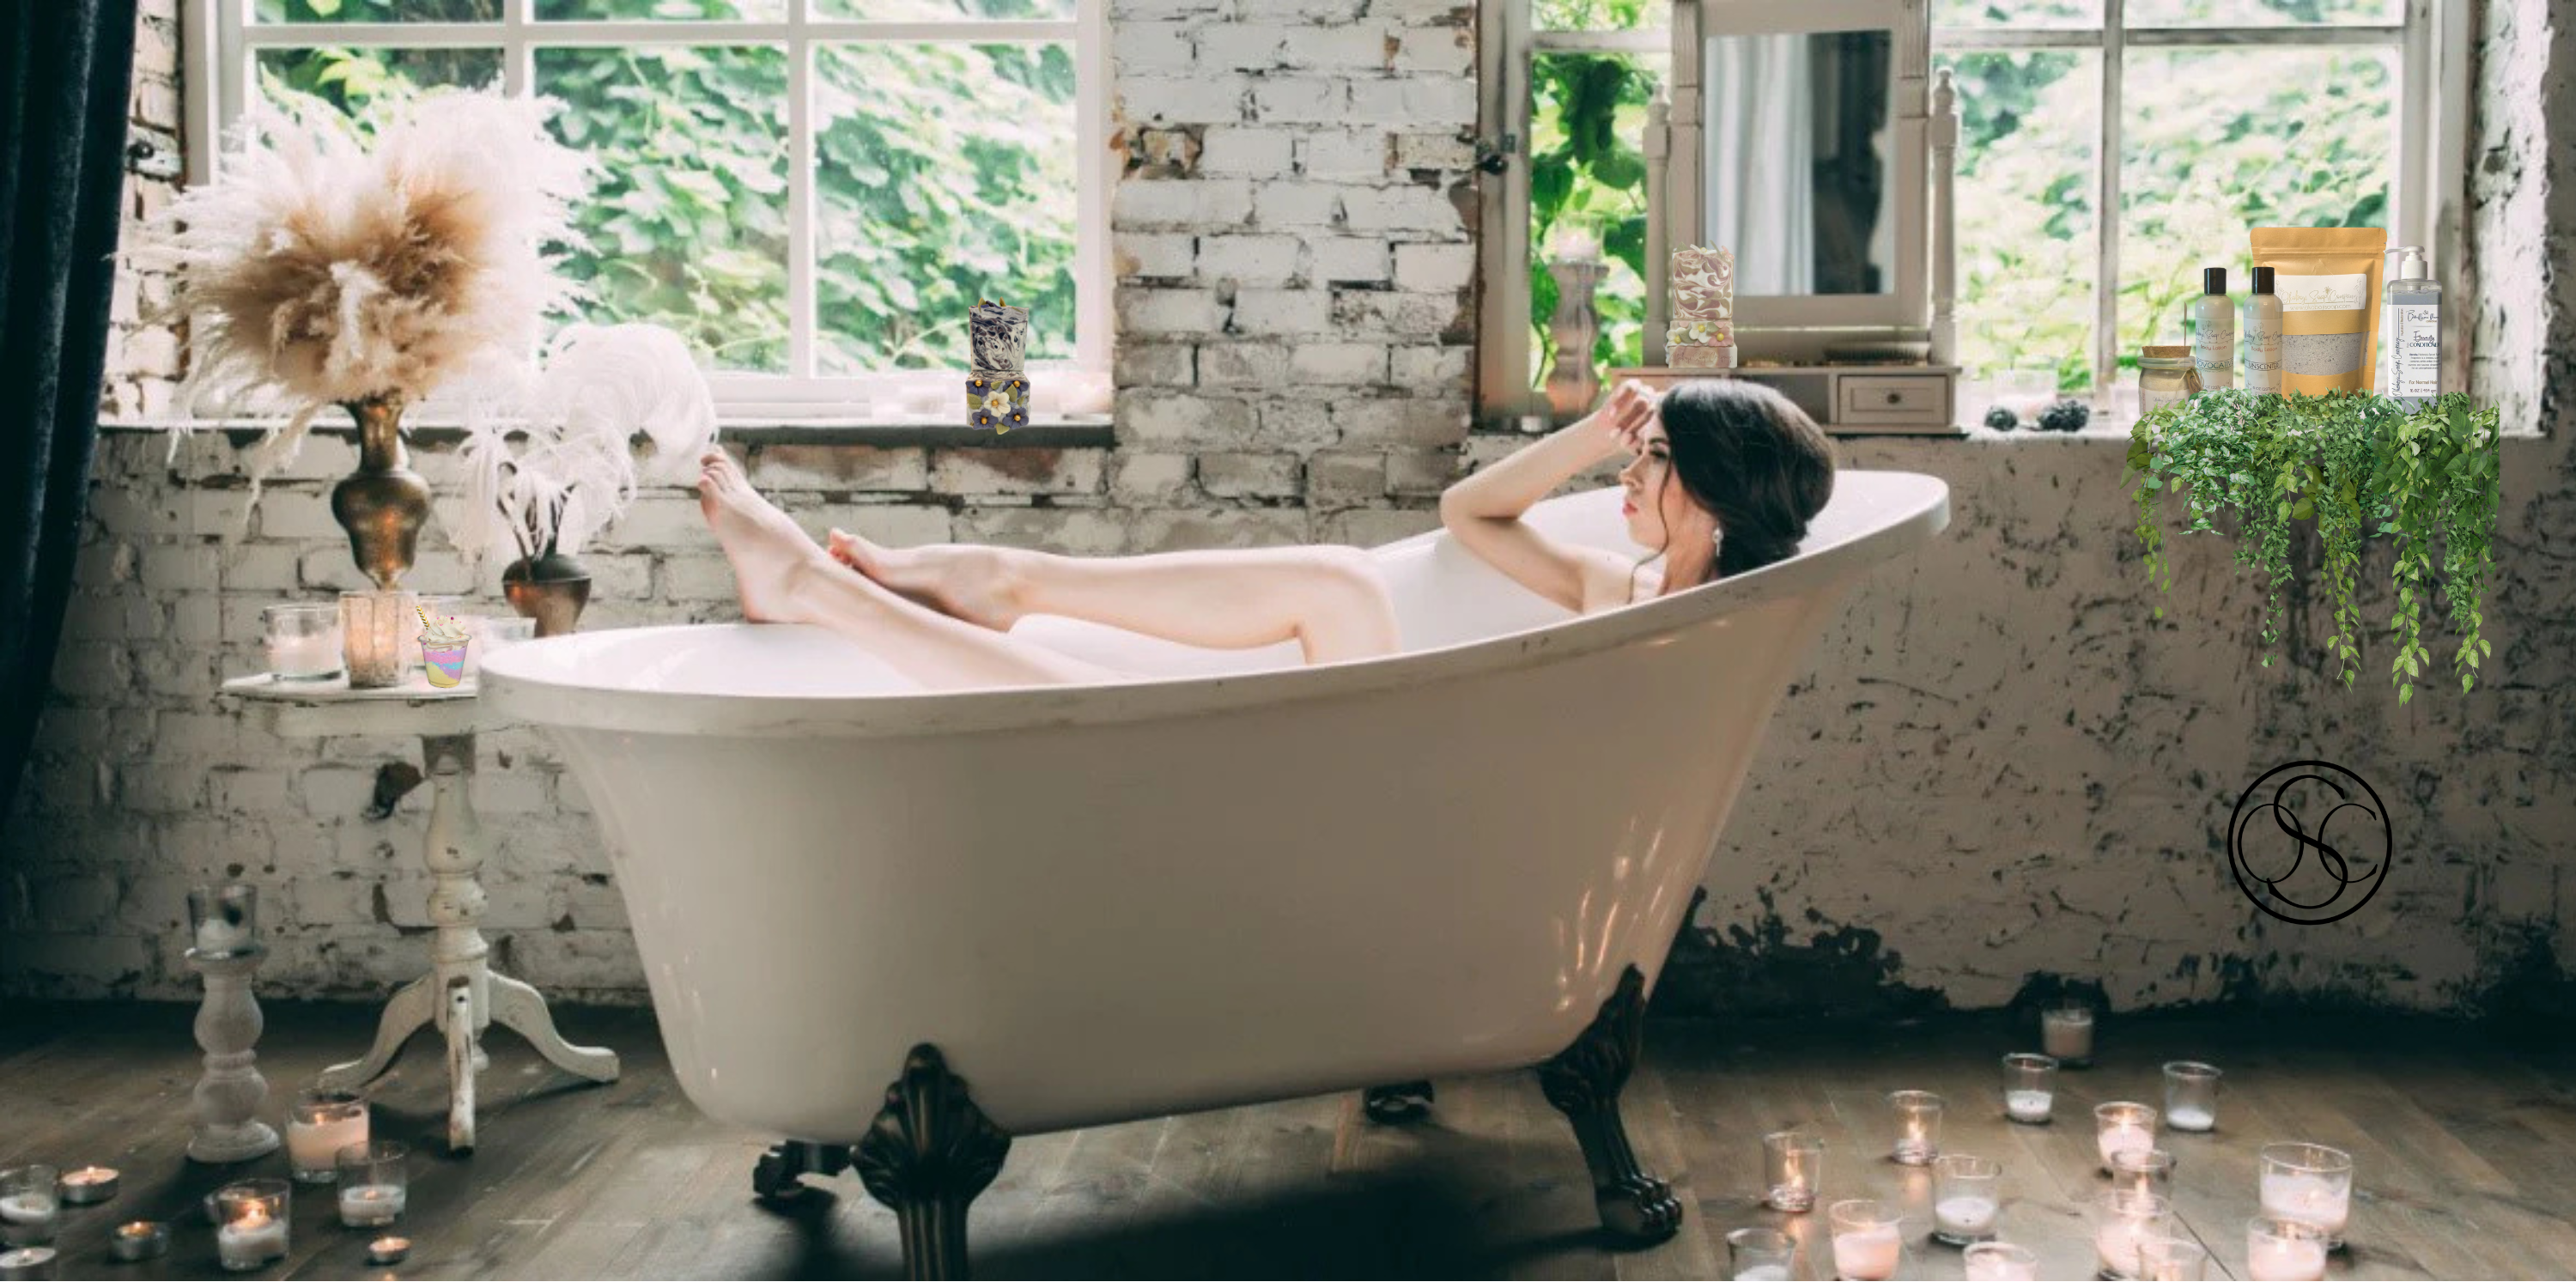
x: 2328, y: 281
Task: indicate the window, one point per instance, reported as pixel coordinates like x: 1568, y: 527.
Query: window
x: 812, y: 191
x: 2220, y: 115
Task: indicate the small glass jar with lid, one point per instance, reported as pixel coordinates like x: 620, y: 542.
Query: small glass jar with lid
x: 2165, y: 376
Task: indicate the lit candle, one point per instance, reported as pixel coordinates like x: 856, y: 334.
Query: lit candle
x: 2123, y: 1125
x: 1964, y: 1218
x: 322, y: 1125
x: 27, y: 1217
x: 2000, y: 1263
x: 82, y: 1186
x: 138, y: 1241
x: 28, y: 1264
x: 2281, y: 1251
x: 1762, y: 1274
x: 2066, y: 1032
x: 2123, y: 1221
x: 368, y: 1205
x: 2312, y: 1199
x: 1918, y: 1126
x: 2027, y: 1106
x: 1868, y: 1253
x: 251, y: 1240
x: 2027, y: 1093
x: 388, y: 1250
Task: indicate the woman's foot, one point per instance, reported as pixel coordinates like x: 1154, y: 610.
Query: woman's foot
x: 980, y: 584
x: 770, y: 554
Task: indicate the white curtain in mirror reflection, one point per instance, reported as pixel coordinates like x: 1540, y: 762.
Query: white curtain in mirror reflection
x: 1799, y: 161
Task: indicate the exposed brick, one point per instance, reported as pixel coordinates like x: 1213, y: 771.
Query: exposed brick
x: 1343, y: 154
x: 1150, y: 478
x: 1022, y: 471
x: 1348, y: 259
x: 1138, y: 363
x: 1300, y: 99
x: 1340, y: 363
x: 1435, y: 266
x: 1198, y: 99
x: 1151, y: 312
x: 1401, y: 421
x: 841, y: 467
x: 1291, y: 204
x: 1260, y: 364
x: 1260, y: 259
x: 1282, y: 312
x: 1339, y: 478
x: 1243, y: 474
x: 1154, y: 254
x: 1183, y: 419
x: 1181, y: 203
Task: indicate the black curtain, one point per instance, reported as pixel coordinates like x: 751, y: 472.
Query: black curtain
x: 65, y: 68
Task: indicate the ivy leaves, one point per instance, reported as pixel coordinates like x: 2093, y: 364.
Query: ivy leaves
x: 2345, y: 462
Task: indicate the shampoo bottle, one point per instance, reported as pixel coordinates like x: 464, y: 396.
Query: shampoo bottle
x: 2411, y: 331
x: 2263, y: 335
x: 2213, y: 332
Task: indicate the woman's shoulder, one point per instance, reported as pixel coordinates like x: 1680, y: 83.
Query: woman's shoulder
x: 1614, y: 580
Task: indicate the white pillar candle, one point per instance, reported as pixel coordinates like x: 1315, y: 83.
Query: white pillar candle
x: 314, y: 1148
x: 1866, y: 1254
x: 27, y: 1218
x: 369, y: 1205
x: 2286, y: 1260
x: 250, y: 1240
x: 2124, y: 1135
x: 2067, y: 1034
x: 218, y: 935
x: 1965, y: 1217
x: 2312, y: 1199
x: 2027, y: 1106
x: 302, y: 656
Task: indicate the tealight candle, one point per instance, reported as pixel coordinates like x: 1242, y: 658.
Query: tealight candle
x: 1791, y: 1170
x: 28, y: 1264
x: 2308, y: 1183
x: 388, y: 1250
x: 1987, y: 1263
x: 29, y: 1212
x: 2066, y: 1032
x: 303, y: 641
x: 2284, y: 1251
x: 251, y: 1223
x: 82, y: 1186
x: 1918, y: 1126
x: 2172, y: 1261
x: 1965, y: 1198
x: 2191, y: 1095
x: 373, y: 1183
x: 1758, y: 1255
x: 2027, y: 1092
x: 138, y: 1241
x: 323, y: 1124
x: 2123, y: 1221
x: 1866, y: 1242
x: 2146, y: 1171
x: 2122, y: 1124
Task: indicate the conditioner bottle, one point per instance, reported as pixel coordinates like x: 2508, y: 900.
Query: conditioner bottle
x: 2262, y: 335
x: 2213, y: 332
x: 2413, y: 328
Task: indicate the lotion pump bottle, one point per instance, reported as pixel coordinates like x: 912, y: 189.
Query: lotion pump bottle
x: 2263, y: 335
x: 2411, y: 331
x: 2213, y: 332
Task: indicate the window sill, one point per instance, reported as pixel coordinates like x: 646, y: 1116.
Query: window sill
x: 1061, y: 432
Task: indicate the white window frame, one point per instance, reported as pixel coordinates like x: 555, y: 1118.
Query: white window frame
x: 2430, y: 184
x: 222, y: 46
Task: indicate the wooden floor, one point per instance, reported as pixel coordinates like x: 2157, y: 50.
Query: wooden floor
x: 2466, y: 1159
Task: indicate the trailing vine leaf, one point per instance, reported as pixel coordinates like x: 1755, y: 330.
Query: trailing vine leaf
x: 2340, y: 461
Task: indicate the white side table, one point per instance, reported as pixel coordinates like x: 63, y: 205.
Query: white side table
x: 461, y: 994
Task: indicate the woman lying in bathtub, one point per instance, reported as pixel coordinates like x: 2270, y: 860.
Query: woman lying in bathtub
x: 1724, y: 478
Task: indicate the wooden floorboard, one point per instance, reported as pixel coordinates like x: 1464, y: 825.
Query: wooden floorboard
x: 2463, y: 1148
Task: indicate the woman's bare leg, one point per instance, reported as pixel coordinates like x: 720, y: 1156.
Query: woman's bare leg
x: 785, y: 577
x: 1327, y: 598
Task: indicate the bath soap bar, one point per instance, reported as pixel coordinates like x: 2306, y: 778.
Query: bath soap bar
x: 1704, y: 286
x: 1700, y: 356
x: 997, y: 400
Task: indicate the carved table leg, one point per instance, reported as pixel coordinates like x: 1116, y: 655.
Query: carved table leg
x: 521, y: 1009
x: 1584, y: 1082
x: 927, y: 1155
x: 457, y: 952
x: 412, y: 1006
x: 461, y: 1050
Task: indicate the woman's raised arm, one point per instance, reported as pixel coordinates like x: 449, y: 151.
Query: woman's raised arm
x: 1484, y: 509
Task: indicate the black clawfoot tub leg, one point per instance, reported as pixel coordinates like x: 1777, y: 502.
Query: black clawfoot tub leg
x: 1583, y: 1082
x: 781, y: 1172
x: 1397, y: 1102
x: 927, y: 1155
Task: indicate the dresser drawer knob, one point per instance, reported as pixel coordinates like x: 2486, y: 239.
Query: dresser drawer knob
x: 1893, y: 397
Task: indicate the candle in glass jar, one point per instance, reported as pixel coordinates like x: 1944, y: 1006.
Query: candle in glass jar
x: 1867, y: 1253
x: 139, y: 1241
x: 1964, y: 1218
x: 2066, y: 1032
x: 27, y: 1218
x: 321, y: 1125
x: 2312, y: 1199
x: 251, y: 1239
x: 1999, y: 1263
x: 369, y: 1205
x: 2280, y: 1251
x: 2123, y: 1125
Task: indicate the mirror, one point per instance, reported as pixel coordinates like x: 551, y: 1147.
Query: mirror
x: 1800, y: 161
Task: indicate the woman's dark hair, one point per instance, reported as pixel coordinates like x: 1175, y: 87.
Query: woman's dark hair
x: 1750, y: 457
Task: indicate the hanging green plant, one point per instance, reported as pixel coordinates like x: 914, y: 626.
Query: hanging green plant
x: 2346, y: 462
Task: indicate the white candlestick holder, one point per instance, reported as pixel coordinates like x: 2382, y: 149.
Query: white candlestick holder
x: 229, y: 1094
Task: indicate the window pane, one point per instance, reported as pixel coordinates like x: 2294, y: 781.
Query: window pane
x: 350, y: 79
x: 2029, y: 126
x: 2261, y: 13
x: 1599, y: 15
x: 945, y: 174
x: 2017, y: 13
x: 663, y: 10
x: 2313, y: 145
x: 945, y: 11
x: 1587, y: 118
x: 688, y: 214
x: 376, y: 10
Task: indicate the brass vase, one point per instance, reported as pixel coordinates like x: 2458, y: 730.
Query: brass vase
x: 552, y: 588
x: 381, y: 506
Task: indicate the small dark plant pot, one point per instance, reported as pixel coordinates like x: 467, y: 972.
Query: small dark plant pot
x: 552, y: 588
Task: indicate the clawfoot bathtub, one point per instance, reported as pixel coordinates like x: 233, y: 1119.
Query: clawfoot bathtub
x: 1045, y: 908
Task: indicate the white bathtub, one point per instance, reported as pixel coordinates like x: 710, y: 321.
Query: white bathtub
x: 1249, y: 881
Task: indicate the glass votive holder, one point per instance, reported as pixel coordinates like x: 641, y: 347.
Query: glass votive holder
x: 30, y: 1211
x: 1967, y: 1195
x: 322, y: 1124
x: 2191, y: 1095
x: 2279, y: 1250
x: 2308, y: 1183
x: 2145, y: 1171
x: 1995, y: 1263
x: 494, y: 632
x: 2066, y: 1032
x: 1918, y: 1126
x: 2172, y: 1261
x: 2122, y: 1124
x: 1759, y: 1254
x: 251, y: 1221
x: 376, y: 629
x: 1792, y: 1168
x: 2029, y: 1086
x: 138, y: 1241
x: 1866, y: 1241
x: 224, y: 920
x: 2123, y: 1220
x: 374, y: 1181
x: 303, y: 641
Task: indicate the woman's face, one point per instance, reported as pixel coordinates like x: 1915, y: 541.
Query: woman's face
x: 1660, y: 512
